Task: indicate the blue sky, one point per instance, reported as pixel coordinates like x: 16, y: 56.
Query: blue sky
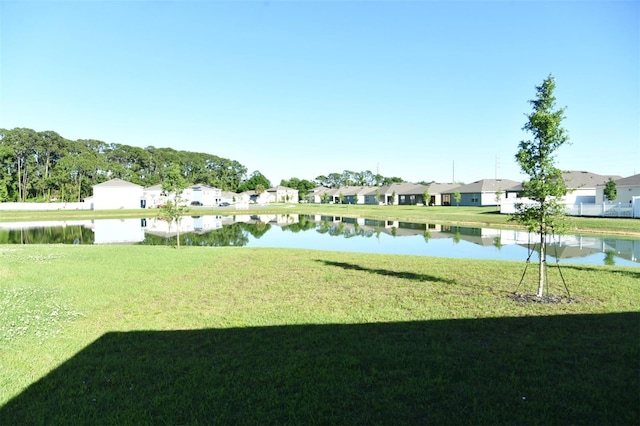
x: 423, y: 90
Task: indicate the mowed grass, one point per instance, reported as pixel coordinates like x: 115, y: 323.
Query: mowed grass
x: 148, y: 335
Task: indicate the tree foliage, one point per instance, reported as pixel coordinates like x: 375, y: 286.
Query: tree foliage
x: 610, y: 190
x: 257, y: 180
x: 350, y: 178
x: 44, y: 166
x: 536, y: 157
x: 173, y: 184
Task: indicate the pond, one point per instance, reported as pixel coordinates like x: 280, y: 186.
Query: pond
x: 329, y: 233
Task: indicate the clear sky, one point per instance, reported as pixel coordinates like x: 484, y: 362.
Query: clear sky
x: 422, y: 90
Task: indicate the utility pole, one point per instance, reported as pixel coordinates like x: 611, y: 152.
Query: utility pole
x: 453, y: 172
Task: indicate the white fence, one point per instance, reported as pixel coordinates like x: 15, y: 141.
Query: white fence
x: 630, y: 210
x: 44, y: 206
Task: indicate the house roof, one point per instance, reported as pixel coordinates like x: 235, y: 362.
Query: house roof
x: 484, y: 185
x: 202, y: 186
x: 580, y: 179
x: 438, y: 188
x: 280, y: 188
x: 154, y: 187
x: 628, y: 181
x: 117, y: 183
x: 403, y: 188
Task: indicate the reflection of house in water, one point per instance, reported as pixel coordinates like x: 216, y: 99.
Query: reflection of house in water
x: 114, y: 231
x: 197, y: 224
x: 627, y: 249
x: 276, y: 219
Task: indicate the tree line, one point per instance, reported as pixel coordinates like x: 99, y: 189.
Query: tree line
x: 44, y: 166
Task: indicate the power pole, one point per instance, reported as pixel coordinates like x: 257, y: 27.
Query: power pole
x: 453, y: 172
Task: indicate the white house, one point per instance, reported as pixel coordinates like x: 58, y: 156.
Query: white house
x: 282, y: 194
x: 117, y: 194
x: 199, y: 193
x: 153, y: 196
x: 582, y: 186
x: 626, y: 189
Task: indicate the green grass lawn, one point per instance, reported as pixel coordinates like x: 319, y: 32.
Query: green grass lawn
x: 147, y: 335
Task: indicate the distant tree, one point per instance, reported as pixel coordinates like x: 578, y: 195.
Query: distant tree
x: 355, y: 198
x: 393, y: 198
x: 325, y: 197
x: 610, y: 190
x: 302, y: 185
x: 536, y: 158
x: 341, y: 198
x: 390, y: 180
x: 322, y: 180
x: 457, y: 196
x: 252, y: 183
x: 499, y: 194
x: 377, y: 196
x: 426, y: 197
x: 173, y: 185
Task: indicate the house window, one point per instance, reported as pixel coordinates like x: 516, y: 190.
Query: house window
x: 475, y: 198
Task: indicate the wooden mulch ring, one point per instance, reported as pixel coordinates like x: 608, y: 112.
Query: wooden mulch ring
x: 547, y: 298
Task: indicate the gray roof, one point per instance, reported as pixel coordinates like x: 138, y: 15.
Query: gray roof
x: 280, y: 188
x: 403, y: 188
x: 580, y: 179
x: 439, y: 188
x: 484, y: 185
x: 117, y: 183
x: 629, y: 181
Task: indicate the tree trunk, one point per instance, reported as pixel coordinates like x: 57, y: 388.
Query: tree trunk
x: 543, y: 258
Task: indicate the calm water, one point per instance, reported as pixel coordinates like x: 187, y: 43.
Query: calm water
x: 328, y: 233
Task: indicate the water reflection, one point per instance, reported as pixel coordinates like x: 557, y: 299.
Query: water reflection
x: 326, y: 233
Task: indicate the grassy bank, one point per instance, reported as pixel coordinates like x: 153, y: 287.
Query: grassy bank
x: 139, y: 335
x: 473, y: 216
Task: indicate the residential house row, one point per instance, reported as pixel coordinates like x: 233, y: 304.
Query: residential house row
x: 584, y: 187
x: 120, y: 194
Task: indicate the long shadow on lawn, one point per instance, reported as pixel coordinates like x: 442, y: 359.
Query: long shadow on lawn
x: 580, y: 369
x: 387, y: 273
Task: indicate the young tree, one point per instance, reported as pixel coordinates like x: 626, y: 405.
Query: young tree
x: 172, y: 185
x: 536, y: 158
x: 610, y: 190
x: 457, y: 196
x: 426, y: 197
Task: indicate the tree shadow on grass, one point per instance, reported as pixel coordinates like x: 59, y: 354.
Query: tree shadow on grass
x: 387, y: 273
x: 580, y: 369
x: 619, y: 271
